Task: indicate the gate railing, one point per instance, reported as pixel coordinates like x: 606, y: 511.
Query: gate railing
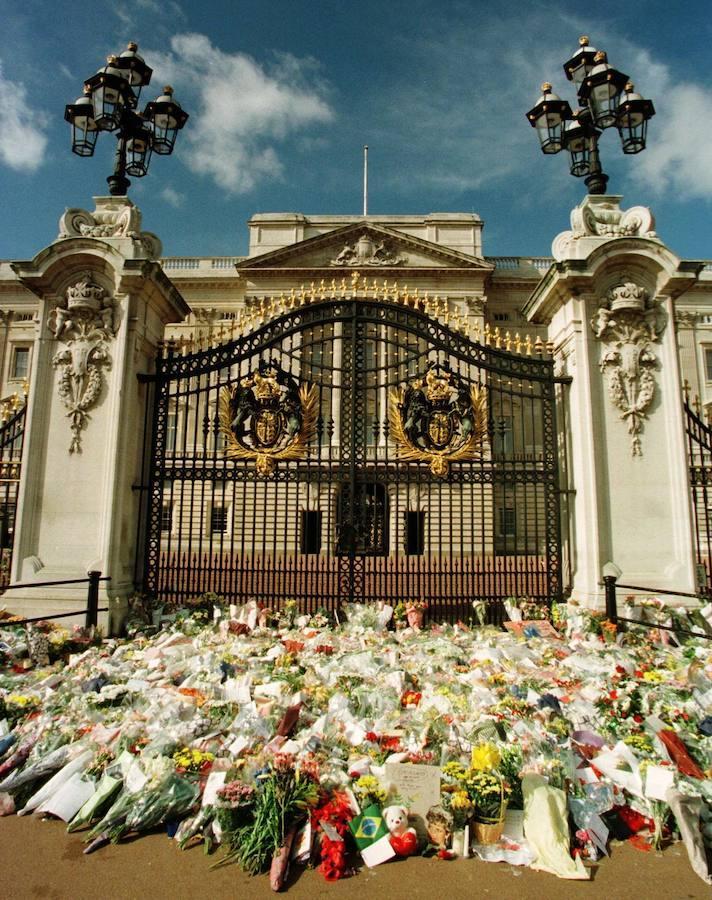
x: 699, y: 452
x: 90, y: 614
x: 356, y: 516
x: 611, y: 586
x: 12, y: 435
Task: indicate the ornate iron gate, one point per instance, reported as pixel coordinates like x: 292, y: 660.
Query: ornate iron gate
x: 699, y: 451
x: 12, y: 435
x: 354, y: 449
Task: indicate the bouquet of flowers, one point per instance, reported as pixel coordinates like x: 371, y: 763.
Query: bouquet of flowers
x: 281, y: 803
x: 461, y: 807
x: 192, y: 760
x: 368, y: 791
x: 234, y: 807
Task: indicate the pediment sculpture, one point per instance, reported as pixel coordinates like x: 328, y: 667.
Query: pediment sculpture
x: 367, y: 252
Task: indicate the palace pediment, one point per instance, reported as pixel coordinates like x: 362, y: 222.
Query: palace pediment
x: 366, y: 247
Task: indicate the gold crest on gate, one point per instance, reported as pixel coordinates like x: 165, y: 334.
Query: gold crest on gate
x: 267, y: 416
x: 438, y: 419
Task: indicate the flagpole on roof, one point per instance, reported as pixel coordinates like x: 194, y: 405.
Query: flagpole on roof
x: 365, y: 179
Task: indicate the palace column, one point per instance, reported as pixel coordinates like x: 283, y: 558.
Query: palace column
x: 104, y: 302
x: 608, y: 302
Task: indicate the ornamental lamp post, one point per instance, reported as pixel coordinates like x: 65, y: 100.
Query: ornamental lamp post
x: 110, y: 102
x: 606, y: 99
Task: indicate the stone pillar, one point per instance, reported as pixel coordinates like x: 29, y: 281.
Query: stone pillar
x: 608, y: 302
x: 104, y: 303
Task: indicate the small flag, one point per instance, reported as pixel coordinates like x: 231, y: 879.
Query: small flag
x: 369, y: 826
x: 372, y: 837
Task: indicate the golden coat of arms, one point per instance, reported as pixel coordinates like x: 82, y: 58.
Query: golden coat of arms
x: 438, y: 419
x: 268, y: 417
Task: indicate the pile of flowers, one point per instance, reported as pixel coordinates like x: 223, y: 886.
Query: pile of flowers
x: 278, y: 736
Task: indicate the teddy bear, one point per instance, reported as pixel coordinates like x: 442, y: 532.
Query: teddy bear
x: 403, y: 839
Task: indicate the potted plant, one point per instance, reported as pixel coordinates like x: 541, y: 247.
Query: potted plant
x: 489, y: 793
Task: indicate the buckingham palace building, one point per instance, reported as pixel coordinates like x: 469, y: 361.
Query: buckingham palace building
x: 363, y: 408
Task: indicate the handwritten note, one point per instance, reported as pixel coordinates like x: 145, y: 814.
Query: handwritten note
x: 419, y: 788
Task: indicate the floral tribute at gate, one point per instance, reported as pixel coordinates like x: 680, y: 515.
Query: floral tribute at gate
x: 278, y: 739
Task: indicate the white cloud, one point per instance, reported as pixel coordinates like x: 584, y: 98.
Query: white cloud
x: 240, y: 109
x: 22, y: 129
x: 461, y: 122
x: 173, y: 197
x: 679, y: 151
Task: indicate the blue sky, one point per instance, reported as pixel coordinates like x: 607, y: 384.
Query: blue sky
x: 283, y: 95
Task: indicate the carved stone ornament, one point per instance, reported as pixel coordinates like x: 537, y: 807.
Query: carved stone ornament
x: 685, y: 318
x: 366, y: 252
x: 628, y: 323
x: 84, y: 323
x: 600, y: 216
x: 114, y: 217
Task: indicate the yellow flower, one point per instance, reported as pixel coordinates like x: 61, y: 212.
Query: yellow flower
x: 485, y: 757
x: 652, y: 677
x: 461, y: 800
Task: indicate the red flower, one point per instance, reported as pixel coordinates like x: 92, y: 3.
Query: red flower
x: 372, y: 737
x: 613, y: 695
x: 637, y: 718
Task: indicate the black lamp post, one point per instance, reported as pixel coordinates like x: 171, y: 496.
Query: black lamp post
x: 110, y: 103
x: 606, y: 99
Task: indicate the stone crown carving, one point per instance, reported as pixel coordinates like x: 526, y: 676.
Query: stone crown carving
x: 114, y: 217
x: 628, y: 322
x: 84, y: 322
x: 601, y: 218
x: 365, y: 252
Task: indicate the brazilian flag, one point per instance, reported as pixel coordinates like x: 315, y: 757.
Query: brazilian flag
x: 369, y: 827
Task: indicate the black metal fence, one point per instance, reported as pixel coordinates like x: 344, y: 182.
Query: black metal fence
x: 355, y: 449
x: 612, y: 585
x: 92, y: 608
x: 699, y: 452
x: 12, y: 436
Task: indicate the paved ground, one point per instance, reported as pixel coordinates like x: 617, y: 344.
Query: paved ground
x: 38, y: 859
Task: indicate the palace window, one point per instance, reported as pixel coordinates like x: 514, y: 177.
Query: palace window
x: 363, y: 520
x: 167, y: 518
x: 218, y: 519
x: 414, y: 533
x: 507, y: 521
x: 708, y: 363
x: 311, y: 531
x: 20, y: 363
